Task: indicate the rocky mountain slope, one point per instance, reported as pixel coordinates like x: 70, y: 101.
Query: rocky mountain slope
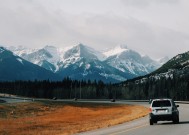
x: 13, y: 67
x: 83, y: 62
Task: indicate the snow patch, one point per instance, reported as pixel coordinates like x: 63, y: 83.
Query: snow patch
x: 99, y: 67
x: 87, y: 66
x: 184, y: 63
x: 20, y: 60
x: 1, y: 50
x: 116, y: 77
x: 178, y: 57
x: 80, y: 64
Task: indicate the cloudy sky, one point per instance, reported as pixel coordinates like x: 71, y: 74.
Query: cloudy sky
x: 154, y: 27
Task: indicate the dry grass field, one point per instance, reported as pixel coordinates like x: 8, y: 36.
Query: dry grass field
x: 55, y: 118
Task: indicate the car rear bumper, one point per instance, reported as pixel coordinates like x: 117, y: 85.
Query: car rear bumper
x: 162, y: 117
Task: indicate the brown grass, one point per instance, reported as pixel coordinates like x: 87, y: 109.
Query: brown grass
x: 53, y: 118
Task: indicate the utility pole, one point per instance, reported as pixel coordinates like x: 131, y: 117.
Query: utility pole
x: 71, y: 91
x: 80, y: 89
x: 75, y: 89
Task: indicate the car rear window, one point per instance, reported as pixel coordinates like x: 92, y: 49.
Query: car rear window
x: 163, y: 103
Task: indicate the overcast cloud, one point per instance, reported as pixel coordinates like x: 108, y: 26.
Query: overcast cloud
x: 154, y: 27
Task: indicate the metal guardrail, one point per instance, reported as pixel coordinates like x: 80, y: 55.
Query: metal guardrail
x: 2, y: 95
x: 182, y: 102
x: 179, y: 102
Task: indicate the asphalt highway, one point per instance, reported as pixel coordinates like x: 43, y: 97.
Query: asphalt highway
x: 141, y: 126
x: 12, y: 100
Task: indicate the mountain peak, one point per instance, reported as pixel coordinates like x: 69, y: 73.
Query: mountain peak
x: 81, y: 45
x: 146, y: 57
x: 51, y: 49
x: 122, y: 46
x: 116, y: 50
x: 84, y: 51
x: 47, y: 47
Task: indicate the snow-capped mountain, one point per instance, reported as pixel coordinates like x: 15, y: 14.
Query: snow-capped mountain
x: 13, y: 67
x: 83, y: 62
x: 130, y: 61
x: 78, y: 52
x: 46, y: 57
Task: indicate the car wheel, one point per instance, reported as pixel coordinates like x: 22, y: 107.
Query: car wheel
x: 176, y: 120
x: 151, y: 122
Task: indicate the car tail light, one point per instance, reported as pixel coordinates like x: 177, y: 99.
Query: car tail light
x: 150, y: 109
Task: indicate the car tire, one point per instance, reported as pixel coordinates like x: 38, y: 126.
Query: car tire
x: 176, y: 120
x: 155, y: 121
x: 151, y: 122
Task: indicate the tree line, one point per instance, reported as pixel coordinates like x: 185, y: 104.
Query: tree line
x: 65, y: 89
x: 175, y: 86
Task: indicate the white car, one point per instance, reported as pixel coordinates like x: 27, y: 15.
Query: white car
x: 163, y: 110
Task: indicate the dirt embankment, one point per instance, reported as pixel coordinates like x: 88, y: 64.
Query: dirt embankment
x: 51, y: 118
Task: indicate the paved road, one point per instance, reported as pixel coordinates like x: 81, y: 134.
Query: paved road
x: 137, y: 127
x: 142, y: 127
x: 13, y: 100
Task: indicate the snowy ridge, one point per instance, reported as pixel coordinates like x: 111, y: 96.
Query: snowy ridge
x: 127, y: 60
x: 21, y: 50
x: 119, y: 63
x: 117, y: 50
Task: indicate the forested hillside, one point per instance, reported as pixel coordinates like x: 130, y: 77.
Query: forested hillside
x: 172, y: 84
x: 171, y: 80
